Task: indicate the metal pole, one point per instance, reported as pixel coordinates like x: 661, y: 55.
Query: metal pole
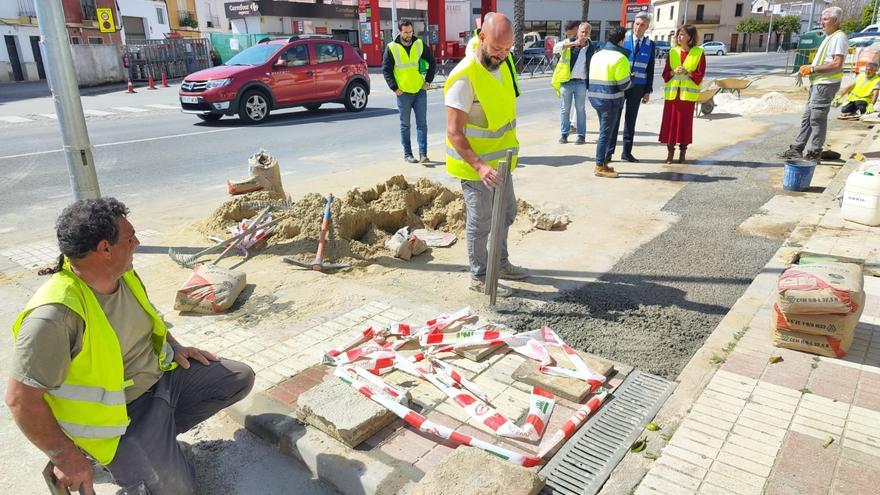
x: 812, y: 14
x: 496, y: 226
x: 767, y: 48
x: 65, y: 92
x: 394, y: 16
x: 685, y: 21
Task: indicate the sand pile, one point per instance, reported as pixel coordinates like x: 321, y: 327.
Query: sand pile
x: 769, y: 104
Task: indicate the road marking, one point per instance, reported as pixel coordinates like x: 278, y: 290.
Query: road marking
x: 48, y: 115
x: 12, y: 119
x: 131, y: 109
x: 164, y: 107
x: 98, y: 113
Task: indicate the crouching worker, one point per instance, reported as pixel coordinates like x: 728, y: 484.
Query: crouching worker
x: 861, y: 96
x: 97, y: 377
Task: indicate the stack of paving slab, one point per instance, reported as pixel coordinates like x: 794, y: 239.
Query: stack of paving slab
x: 818, y: 304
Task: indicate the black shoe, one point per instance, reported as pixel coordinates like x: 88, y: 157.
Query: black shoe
x: 581, y: 140
x: 790, y: 154
x: 563, y: 139
x: 410, y: 159
x: 628, y: 157
x: 424, y: 159
x: 814, y: 157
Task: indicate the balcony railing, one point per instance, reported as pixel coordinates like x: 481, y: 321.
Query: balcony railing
x: 26, y: 8
x: 187, y: 18
x: 89, y: 10
x: 706, y: 19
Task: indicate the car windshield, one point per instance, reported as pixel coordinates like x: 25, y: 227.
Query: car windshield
x: 254, y: 55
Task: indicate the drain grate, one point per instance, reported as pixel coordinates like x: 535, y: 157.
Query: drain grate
x: 584, y: 463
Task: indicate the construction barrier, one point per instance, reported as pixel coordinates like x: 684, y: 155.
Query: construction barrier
x: 176, y: 58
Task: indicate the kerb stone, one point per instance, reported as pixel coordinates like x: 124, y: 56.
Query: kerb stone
x: 340, y: 411
x: 475, y: 472
x: 568, y: 388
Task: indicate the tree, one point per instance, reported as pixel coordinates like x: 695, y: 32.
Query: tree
x: 751, y: 25
x: 519, y: 20
x: 856, y: 15
x: 585, y: 10
x: 786, y: 25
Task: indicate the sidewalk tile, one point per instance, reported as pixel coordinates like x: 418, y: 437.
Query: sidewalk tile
x: 407, y: 445
x: 866, y: 399
x: 706, y: 409
x: 823, y: 405
x: 691, y: 457
x: 853, y: 478
x: 834, y: 382
x: 804, y: 463
x: 699, y: 437
x: 758, y: 457
x: 712, y: 431
x: 764, y: 428
x: 756, y: 435
x: 683, y: 442
x: 835, y: 421
x: 653, y: 485
x: 744, y: 365
x: 714, y: 422
x: 675, y: 476
x: 712, y: 404
x: 768, y: 415
x: 733, y: 482
x: 735, y: 381
x: 744, y: 464
x: 792, y: 373
x: 760, y: 448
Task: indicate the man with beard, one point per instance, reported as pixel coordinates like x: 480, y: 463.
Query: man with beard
x: 480, y: 96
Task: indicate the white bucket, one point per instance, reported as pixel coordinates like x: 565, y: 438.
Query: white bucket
x: 861, y: 197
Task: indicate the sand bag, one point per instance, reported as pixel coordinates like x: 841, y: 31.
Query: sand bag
x: 404, y: 245
x: 210, y: 289
x: 821, y: 288
x: 822, y: 345
x: 833, y: 325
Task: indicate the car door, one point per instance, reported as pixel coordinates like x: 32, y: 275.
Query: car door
x: 293, y: 76
x: 332, y: 71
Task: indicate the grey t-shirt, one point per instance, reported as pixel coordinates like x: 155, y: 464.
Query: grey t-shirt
x: 51, y: 336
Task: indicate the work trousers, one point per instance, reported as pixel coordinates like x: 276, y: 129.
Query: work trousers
x: 407, y: 103
x: 632, y: 102
x: 149, y: 460
x: 478, y: 200
x: 859, y: 106
x: 814, y: 122
x: 575, y: 90
x: 609, y: 122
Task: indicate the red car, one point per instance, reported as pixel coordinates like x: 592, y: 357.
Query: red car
x: 297, y: 71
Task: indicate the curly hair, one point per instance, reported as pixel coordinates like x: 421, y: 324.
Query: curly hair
x: 84, y: 224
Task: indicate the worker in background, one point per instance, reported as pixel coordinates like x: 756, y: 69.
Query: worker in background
x: 825, y: 73
x: 95, y: 373
x: 570, y: 80
x: 609, y: 79
x: 480, y: 97
x: 861, y: 96
x: 409, y: 68
x: 641, y: 60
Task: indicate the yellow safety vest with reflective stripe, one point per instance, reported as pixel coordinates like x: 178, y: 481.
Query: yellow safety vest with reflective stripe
x: 498, y: 99
x: 472, y: 47
x: 90, y: 405
x: 562, y: 72
x: 682, y: 86
x: 609, y: 78
x: 863, y: 88
x: 406, y: 66
x: 837, y: 75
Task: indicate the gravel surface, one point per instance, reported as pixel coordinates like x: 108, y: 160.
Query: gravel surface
x: 656, y: 307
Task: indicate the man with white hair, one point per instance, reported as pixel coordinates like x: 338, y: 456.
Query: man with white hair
x: 825, y: 73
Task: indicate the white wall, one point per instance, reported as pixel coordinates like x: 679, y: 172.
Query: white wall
x: 147, y: 10
x: 97, y: 64
x: 8, y: 9
x: 212, y: 10
x: 25, y: 53
x: 248, y: 25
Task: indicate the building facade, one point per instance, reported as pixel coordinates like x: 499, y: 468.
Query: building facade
x: 144, y: 20
x: 548, y: 17
x: 715, y: 20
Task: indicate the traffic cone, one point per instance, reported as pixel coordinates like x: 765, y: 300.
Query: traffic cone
x: 130, y: 87
x: 152, y: 84
x: 164, y: 80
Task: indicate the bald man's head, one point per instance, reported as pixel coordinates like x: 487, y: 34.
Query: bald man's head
x: 496, y: 40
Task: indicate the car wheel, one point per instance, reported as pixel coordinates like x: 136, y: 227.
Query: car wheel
x: 211, y: 117
x: 254, y: 107
x: 312, y: 107
x: 356, y: 97
x: 719, y: 52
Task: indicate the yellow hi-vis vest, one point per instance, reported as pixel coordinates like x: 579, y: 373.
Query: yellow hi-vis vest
x: 863, y: 88
x: 837, y: 75
x: 90, y: 405
x: 471, y: 48
x: 562, y: 72
x: 682, y: 86
x: 498, y: 99
x: 406, y: 66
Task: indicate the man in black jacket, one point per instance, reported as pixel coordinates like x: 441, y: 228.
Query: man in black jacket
x: 409, y: 67
x: 641, y: 60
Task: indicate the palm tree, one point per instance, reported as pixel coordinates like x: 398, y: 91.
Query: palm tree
x: 519, y: 19
x: 585, y: 10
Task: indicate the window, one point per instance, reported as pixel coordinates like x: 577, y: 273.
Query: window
x: 160, y: 14
x: 671, y: 12
x: 96, y: 40
x: 760, y: 41
x: 700, y: 10
x: 709, y: 37
x: 657, y: 14
x: 739, y: 10
x: 89, y: 10
x: 297, y: 56
x: 328, y: 52
x: 74, y: 40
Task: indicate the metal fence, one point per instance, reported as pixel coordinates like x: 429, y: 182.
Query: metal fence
x: 804, y: 56
x: 176, y: 58
x: 528, y: 67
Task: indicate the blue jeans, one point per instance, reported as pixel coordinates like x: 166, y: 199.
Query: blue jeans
x: 609, y: 121
x: 578, y: 91
x: 417, y: 102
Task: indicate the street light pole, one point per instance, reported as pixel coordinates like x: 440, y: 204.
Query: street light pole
x: 65, y: 92
x: 812, y: 14
x: 685, y: 21
x: 393, y: 17
x: 770, y: 30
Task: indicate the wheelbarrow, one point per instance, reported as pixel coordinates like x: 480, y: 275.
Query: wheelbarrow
x: 732, y: 85
x: 706, y: 101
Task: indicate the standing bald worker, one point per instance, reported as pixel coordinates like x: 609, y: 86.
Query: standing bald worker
x: 480, y: 96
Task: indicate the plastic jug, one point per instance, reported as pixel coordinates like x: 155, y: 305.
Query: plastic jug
x: 861, y: 196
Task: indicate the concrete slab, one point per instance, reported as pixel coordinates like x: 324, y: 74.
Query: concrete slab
x: 475, y: 472
x: 341, y: 412
x: 567, y: 388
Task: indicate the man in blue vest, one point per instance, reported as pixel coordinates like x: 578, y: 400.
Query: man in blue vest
x: 95, y: 372
x: 408, y: 68
x: 641, y: 60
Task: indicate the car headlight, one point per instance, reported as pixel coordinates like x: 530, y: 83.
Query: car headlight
x: 219, y: 83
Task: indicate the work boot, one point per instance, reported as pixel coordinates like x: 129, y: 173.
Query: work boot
x: 513, y: 272
x: 790, y: 154
x: 683, y: 149
x: 563, y: 139
x: 410, y: 159
x: 581, y: 140
x: 605, y: 171
x: 813, y: 156
x: 670, y: 153
x: 478, y: 285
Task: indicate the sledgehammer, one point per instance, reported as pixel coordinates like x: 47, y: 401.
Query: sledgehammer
x: 317, y: 263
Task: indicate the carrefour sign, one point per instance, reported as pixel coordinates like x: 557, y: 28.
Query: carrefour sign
x: 239, y: 10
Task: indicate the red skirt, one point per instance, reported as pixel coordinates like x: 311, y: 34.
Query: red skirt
x: 677, y: 126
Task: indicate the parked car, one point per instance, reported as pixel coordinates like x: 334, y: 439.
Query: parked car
x: 661, y: 48
x: 714, y: 48
x: 303, y: 71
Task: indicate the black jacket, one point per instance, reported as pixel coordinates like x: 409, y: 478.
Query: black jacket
x: 388, y: 63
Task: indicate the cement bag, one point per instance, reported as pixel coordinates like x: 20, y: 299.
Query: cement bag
x: 822, y: 345
x: 833, y: 325
x: 210, y: 289
x: 821, y: 288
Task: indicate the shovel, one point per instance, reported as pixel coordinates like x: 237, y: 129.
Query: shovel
x: 318, y: 264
